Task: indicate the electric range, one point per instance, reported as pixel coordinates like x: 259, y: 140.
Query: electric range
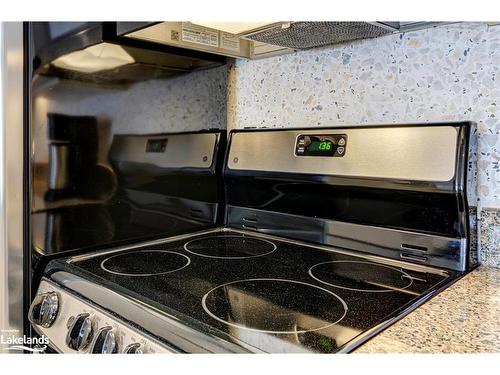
x: 328, y: 238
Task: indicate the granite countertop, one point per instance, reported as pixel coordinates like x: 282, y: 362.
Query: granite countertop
x: 465, y: 318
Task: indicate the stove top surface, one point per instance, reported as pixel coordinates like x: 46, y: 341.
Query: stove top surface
x: 270, y: 294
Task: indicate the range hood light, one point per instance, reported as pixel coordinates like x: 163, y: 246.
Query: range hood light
x: 235, y: 28
x: 99, y: 57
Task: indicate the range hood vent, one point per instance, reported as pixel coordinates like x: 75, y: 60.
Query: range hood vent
x: 304, y: 35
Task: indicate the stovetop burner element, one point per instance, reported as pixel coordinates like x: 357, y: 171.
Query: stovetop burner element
x: 361, y: 276
x: 274, y: 306
x: 230, y: 247
x: 145, y: 263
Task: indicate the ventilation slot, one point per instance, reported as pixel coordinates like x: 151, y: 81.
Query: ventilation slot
x: 413, y: 253
x: 196, y: 213
x: 413, y: 257
x: 416, y: 248
x: 249, y: 223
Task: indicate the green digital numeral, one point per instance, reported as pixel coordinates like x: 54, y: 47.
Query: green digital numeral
x: 325, y: 146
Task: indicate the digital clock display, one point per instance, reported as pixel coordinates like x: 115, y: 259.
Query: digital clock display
x: 321, y: 145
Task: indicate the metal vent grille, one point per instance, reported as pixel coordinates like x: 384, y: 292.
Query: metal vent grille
x: 302, y: 35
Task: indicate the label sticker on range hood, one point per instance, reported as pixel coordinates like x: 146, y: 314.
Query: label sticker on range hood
x: 208, y: 37
x: 199, y: 35
x: 230, y: 42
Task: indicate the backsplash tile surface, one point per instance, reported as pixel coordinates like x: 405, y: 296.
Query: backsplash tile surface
x: 490, y: 238
x: 446, y: 73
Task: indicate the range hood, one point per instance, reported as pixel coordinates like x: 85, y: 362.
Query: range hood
x: 253, y: 40
x: 96, y: 52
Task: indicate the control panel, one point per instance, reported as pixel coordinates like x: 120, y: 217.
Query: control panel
x: 329, y: 145
x: 73, y: 325
x: 414, y: 153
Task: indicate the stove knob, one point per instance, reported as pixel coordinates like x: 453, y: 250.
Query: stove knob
x: 134, y: 348
x: 105, y: 342
x: 80, y: 333
x: 44, y: 308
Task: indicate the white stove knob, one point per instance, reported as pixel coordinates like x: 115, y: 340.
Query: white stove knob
x: 80, y: 333
x: 105, y: 342
x: 134, y: 348
x: 44, y: 308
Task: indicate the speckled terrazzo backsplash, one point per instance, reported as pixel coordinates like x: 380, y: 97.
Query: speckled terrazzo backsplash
x: 448, y: 73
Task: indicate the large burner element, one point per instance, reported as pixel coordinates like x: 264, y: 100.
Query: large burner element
x: 229, y: 247
x: 274, y: 306
x: 145, y: 263
x: 361, y: 276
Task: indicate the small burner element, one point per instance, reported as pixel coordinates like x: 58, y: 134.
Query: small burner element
x: 361, y: 276
x: 145, y: 263
x: 229, y: 247
x: 274, y: 306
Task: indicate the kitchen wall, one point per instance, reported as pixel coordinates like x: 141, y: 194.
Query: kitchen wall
x: 448, y: 73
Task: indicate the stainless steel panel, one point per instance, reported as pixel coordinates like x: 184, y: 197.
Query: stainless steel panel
x: 423, y: 153
x: 181, y: 151
x: 11, y: 178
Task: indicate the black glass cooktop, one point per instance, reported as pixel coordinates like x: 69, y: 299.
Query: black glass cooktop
x: 272, y: 295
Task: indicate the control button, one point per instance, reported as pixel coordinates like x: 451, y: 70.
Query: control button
x: 341, y: 141
x: 302, y: 141
x: 105, y: 342
x: 340, y: 150
x: 44, y: 308
x: 134, y: 348
x: 300, y: 150
x: 80, y: 333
